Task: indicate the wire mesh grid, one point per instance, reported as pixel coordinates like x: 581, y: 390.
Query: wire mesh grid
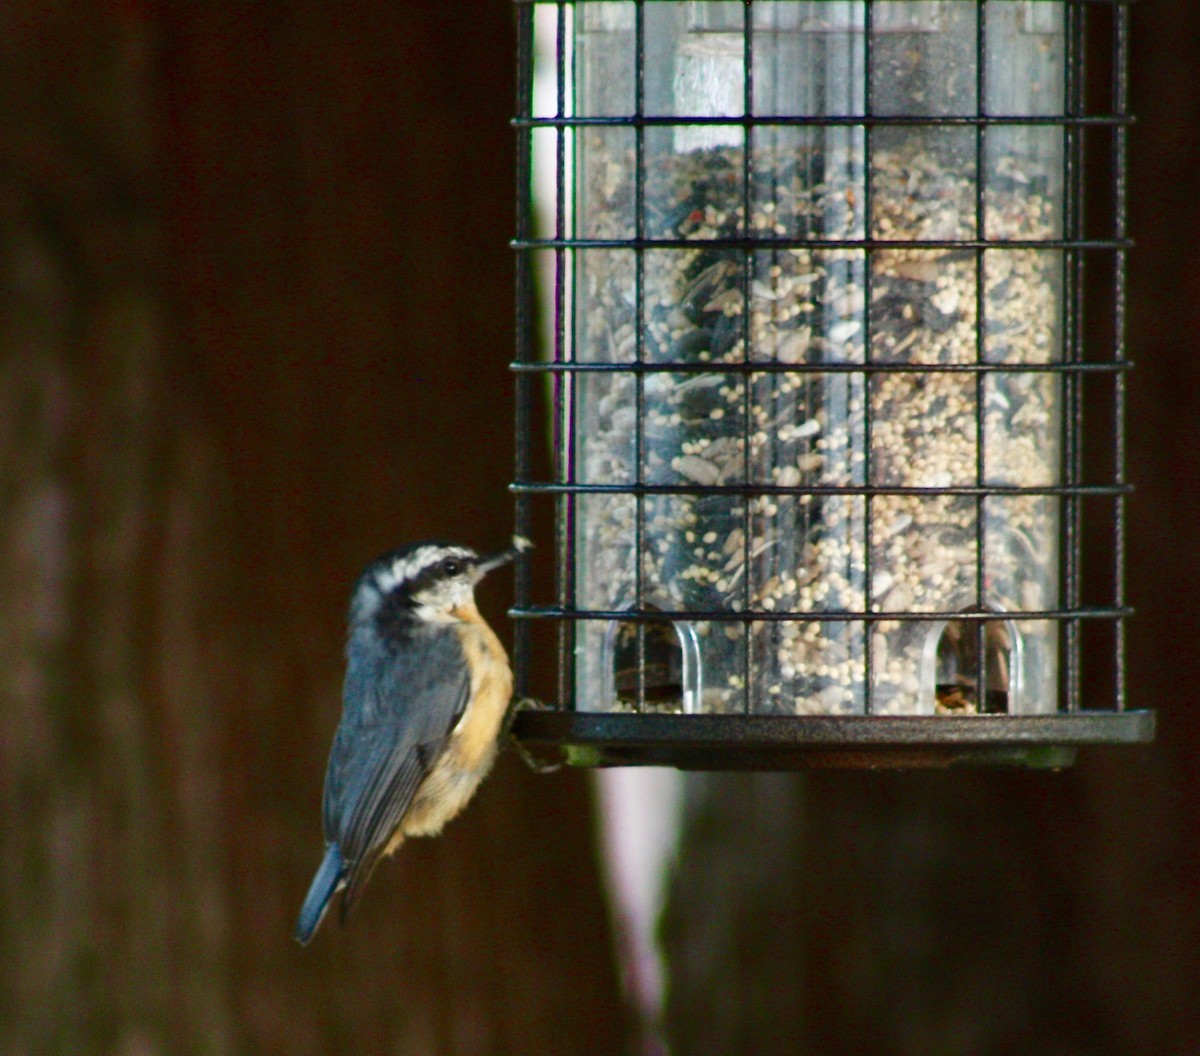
x: 817, y: 378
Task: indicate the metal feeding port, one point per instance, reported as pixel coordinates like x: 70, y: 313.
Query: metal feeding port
x: 814, y: 275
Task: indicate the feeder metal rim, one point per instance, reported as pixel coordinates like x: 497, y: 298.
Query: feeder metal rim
x: 1065, y: 728
x: 786, y: 742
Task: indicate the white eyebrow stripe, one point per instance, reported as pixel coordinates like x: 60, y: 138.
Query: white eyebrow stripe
x: 406, y: 568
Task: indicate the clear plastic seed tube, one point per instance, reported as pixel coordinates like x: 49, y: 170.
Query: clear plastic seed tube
x: 818, y: 435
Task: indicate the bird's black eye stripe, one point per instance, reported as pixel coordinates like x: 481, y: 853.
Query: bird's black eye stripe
x: 452, y: 566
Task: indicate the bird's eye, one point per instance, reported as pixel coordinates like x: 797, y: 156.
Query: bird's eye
x: 452, y: 566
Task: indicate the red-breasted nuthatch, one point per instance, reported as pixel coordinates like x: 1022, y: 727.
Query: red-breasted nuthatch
x: 426, y: 692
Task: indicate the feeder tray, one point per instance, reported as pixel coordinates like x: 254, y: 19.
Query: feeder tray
x: 780, y: 742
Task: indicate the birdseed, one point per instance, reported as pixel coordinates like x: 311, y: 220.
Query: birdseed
x: 792, y: 551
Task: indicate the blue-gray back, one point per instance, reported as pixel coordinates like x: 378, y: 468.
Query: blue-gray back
x: 399, y: 706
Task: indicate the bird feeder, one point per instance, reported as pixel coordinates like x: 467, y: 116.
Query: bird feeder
x: 819, y: 372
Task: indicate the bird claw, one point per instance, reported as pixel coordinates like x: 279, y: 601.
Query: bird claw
x: 523, y: 753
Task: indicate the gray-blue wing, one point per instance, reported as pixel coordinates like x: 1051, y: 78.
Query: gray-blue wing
x: 399, y: 708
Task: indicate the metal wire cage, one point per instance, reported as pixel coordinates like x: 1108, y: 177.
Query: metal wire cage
x: 817, y: 378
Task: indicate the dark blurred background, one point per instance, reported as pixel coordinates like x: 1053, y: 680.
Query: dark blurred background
x: 256, y: 307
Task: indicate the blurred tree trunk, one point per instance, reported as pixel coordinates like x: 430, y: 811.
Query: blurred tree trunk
x: 114, y: 922
x: 255, y: 306
x: 907, y: 914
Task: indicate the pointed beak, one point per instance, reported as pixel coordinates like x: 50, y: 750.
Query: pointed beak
x: 520, y: 546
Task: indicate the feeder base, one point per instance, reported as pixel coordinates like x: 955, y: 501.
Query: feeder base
x: 781, y: 742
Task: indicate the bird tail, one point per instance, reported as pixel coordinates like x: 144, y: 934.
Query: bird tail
x: 324, y: 886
